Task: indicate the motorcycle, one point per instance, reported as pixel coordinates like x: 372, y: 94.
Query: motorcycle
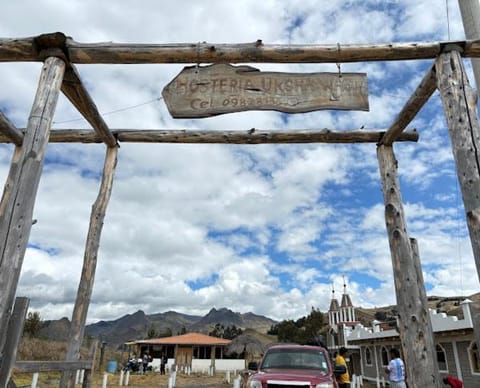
x: 132, y: 365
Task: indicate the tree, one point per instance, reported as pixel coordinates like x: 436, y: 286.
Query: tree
x: 152, y: 333
x: 381, y: 316
x: 287, y: 331
x: 32, y: 324
x: 167, y: 333
x: 313, y: 323
x: 217, y: 331
x: 304, y: 330
x: 273, y: 330
x: 231, y: 332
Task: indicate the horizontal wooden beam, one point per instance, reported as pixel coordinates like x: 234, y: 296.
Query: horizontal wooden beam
x: 252, y: 136
x: 51, y: 366
x: 29, y: 49
x: 416, y: 101
x: 78, y: 95
x: 8, y: 129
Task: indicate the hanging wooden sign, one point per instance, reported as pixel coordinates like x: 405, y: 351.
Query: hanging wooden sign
x: 222, y: 88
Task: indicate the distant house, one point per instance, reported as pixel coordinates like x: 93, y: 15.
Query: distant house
x: 195, y: 351
x: 456, y: 351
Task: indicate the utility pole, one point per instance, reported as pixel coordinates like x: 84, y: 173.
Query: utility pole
x: 470, y: 10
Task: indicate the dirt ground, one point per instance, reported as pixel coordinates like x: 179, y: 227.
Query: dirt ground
x: 153, y: 379
x: 148, y: 380
x: 157, y: 380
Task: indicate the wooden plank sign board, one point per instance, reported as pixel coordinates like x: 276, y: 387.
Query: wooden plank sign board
x: 203, y: 91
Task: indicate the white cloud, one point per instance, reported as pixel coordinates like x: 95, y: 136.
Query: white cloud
x: 262, y: 228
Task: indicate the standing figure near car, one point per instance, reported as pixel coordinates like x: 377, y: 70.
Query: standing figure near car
x: 396, y: 370
x: 343, y: 379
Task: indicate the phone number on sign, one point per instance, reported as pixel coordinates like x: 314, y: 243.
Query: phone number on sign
x: 235, y: 102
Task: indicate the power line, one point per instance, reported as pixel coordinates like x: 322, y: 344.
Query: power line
x: 113, y: 111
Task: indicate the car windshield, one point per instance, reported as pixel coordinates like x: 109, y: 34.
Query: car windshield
x: 295, y: 359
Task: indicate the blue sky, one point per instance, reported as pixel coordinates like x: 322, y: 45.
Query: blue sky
x: 264, y: 228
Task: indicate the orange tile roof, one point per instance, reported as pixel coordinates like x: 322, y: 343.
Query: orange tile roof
x: 186, y: 339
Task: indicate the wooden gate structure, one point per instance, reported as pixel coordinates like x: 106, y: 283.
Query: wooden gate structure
x: 60, y: 54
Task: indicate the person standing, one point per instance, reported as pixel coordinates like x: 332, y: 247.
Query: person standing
x: 163, y: 361
x: 396, y: 370
x: 343, y: 379
x: 145, y: 361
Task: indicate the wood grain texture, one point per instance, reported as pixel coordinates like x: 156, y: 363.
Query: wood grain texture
x: 14, y: 333
x: 85, y: 287
x: 419, y: 97
x: 24, y: 176
x: 26, y: 50
x: 9, y: 130
x: 251, y: 136
x: 76, y: 92
x: 416, y: 334
x: 460, y: 107
x: 203, y: 91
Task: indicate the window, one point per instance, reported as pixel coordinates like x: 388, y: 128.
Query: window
x: 368, y: 357
x: 441, y: 358
x: 384, y: 356
x: 474, y: 357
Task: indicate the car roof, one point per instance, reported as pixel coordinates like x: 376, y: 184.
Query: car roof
x: 295, y: 346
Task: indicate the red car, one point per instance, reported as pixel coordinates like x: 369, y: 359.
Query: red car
x: 286, y: 366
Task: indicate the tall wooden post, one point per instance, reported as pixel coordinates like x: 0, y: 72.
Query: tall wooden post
x: 85, y: 287
x: 415, y: 328
x: 15, y: 330
x: 459, y: 104
x: 470, y: 11
x: 19, y: 197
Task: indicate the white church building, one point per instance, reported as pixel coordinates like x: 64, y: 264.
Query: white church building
x: 456, y: 351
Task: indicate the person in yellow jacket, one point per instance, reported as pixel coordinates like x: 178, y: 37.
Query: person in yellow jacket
x: 344, y: 379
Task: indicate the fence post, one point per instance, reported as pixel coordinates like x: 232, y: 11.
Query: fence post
x: 105, y: 380
x: 87, y: 376
x: 35, y: 380
x: 236, y: 382
x: 14, y: 333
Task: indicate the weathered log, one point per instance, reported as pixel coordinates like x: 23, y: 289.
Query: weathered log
x: 14, y: 333
x: 88, y: 377
x: 85, y: 287
x: 254, y: 52
x: 460, y: 107
x: 16, y: 213
x: 416, y: 334
x: 252, y: 136
x: 9, y: 130
x: 28, y: 50
x: 76, y: 92
x: 419, y: 97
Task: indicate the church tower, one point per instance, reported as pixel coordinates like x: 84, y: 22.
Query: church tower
x: 341, y: 319
x: 334, y: 310
x: 347, y: 311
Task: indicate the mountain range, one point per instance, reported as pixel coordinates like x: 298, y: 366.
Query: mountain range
x: 139, y: 325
